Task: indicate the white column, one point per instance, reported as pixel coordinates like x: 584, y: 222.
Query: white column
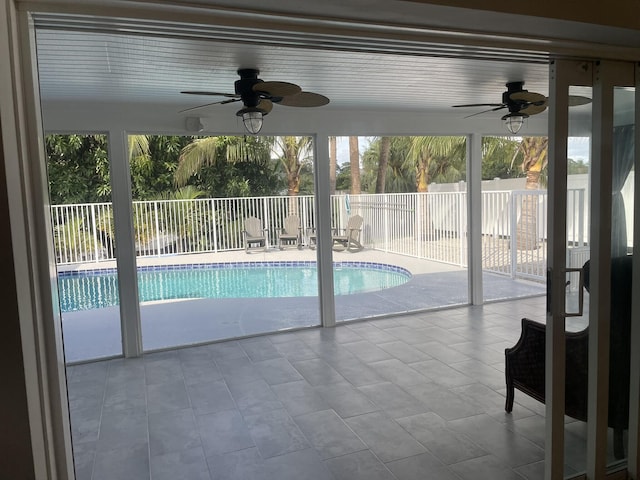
x: 555, y: 360
x: 474, y: 216
x: 125, y: 244
x: 323, y: 230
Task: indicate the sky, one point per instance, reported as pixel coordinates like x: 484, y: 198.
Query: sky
x: 578, y: 148
x: 342, y: 147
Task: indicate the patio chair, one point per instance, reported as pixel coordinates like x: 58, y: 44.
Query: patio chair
x: 525, y: 361
x: 349, y: 238
x: 254, y: 234
x: 290, y: 235
x: 344, y: 238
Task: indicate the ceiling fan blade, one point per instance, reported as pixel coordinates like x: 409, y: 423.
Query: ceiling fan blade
x: 277, y: 89
x: 485, y: 111
x: 530, y: 97
x: 533, y: 109
x: 480, y: 105
x: 209, y: 104
x: 304, y: 99
x: 577, y: 100
x: 265, y: 105
x: 218, y: 94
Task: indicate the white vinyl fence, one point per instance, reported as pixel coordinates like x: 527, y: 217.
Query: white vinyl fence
x: 430, y: 226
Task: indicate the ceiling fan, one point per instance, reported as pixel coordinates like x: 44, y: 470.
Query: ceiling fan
x: 259, y: 96
x: 521, y: 104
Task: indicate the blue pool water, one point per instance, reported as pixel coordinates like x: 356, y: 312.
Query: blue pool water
x: 86, y: 290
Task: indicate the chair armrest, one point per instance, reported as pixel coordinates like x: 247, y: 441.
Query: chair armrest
x: 525, y: 361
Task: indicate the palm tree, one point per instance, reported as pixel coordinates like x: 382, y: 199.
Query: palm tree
x: 333, y: 161
x: 534, y: 150
x: 293, y: 152
x: 383, y: 163
x: 399, y: 175
x: 139, y: 152
x: 424, y: 151
x: 209, y: 151
x: 499, y: 155
x: 423, y: 154
x: 354, y: 162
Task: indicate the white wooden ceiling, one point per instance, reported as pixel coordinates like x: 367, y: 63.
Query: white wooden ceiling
x: 109, y: 66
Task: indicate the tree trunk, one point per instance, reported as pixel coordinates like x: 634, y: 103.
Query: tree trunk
x: 354, y: 162
x: 535, y: 159
x: 293, y: 183
x: 333, y: 162
x: 424, y: 228
x: 422, y: 172
x: 383, y: 162
x: 293, y: 189
x: 292, y: 166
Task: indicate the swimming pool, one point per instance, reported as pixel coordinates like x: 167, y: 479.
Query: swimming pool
x: 90, y: 289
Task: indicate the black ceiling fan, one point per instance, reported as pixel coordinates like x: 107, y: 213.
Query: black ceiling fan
x: 259, y: 96
x: 521, y: 104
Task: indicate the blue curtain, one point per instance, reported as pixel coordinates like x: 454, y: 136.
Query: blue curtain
x: 623, y: 150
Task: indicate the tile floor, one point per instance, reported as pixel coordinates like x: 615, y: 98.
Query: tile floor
x: 411, y: 397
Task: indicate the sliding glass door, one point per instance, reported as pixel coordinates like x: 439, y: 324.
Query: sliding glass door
x: 589, y: 317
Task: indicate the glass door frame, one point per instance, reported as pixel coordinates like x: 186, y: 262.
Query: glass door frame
x: 633, y: 458
x: 603, y: 77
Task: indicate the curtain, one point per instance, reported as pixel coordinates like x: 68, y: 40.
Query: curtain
x: 623, y: 150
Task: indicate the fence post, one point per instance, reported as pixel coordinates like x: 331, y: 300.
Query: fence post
x: 157, y: 226
x: 265, y: 214
x: 581, y: 215
x: 418, y: 224
x: 385, y: 207
x: 215, y: 226
x: 513, y: 233
x: 94, y: 231
x: 461, y: 225
x: 304, y: 216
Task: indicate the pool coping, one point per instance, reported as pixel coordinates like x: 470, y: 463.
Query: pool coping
x: 387, y: 267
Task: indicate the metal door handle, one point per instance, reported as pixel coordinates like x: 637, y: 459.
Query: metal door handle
x: 580, y: 293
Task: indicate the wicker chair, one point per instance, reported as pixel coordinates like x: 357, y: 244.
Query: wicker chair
x: 525, y: 361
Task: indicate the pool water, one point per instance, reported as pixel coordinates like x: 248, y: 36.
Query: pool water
x: 99, y: 288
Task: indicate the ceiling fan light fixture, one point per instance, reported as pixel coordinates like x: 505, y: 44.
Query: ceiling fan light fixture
x: 514, y: 121
x: 252, y: 118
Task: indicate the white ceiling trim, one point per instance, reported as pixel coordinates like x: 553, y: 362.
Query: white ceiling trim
x: 257, y: 35
x: 503, y: 32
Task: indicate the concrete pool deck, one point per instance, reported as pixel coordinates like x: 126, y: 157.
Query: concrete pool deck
x: 94, y: 334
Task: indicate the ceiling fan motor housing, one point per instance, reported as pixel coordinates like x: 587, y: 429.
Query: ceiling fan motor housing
x: 244, y: 87
x: 514, y: 106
